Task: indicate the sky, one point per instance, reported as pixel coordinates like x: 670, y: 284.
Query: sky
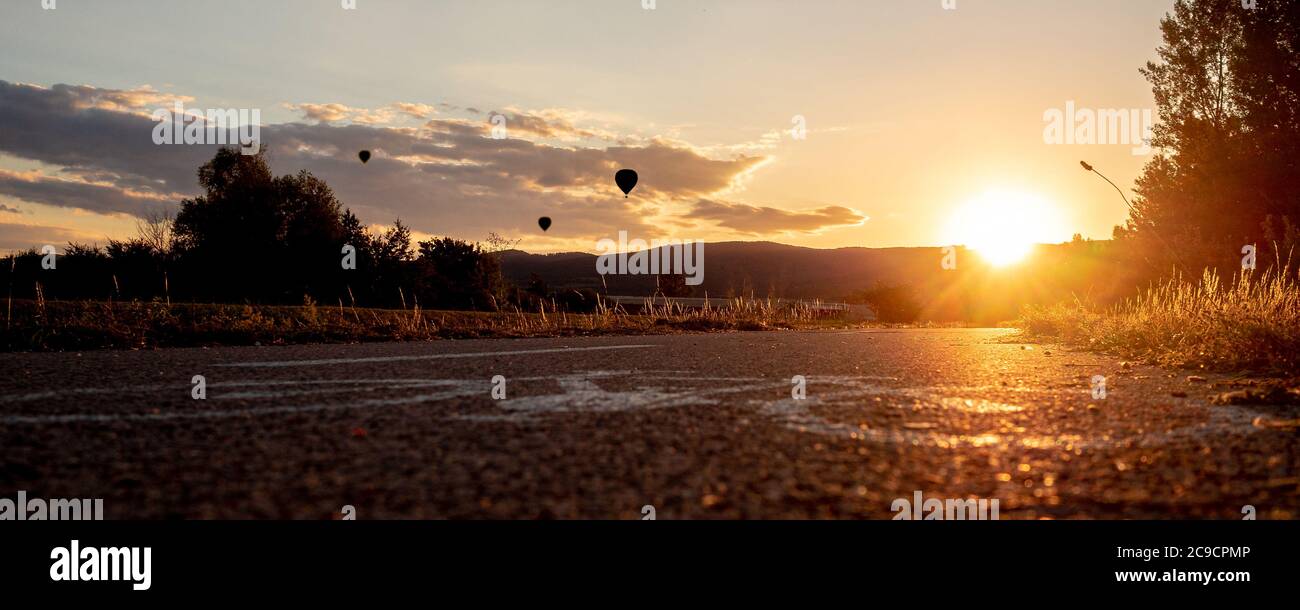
x: 913, y: 116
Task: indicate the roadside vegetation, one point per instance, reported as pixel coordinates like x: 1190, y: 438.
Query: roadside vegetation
x: 261, y: 259
x: 80, y: 325
x: 1250, y: 324
x: 1223, y: 184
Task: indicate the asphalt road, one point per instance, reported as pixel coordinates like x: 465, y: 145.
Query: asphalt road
x: 697, y: 426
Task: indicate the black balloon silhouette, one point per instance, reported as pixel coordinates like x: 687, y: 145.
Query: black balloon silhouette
x: 544, y: 222
x: 626, y: 180
x: 365, y: 156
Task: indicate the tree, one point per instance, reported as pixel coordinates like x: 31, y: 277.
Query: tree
x: 257, y: 237
x: 673, y: 286
x: 892, y: 303
x: 138, y: 267
x: 1227, y: 90
x: 459, y: 275
x: 155, y: 230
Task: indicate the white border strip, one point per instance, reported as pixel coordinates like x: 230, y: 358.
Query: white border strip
x: 288, y: 363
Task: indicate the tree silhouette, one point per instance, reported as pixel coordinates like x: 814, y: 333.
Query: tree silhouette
x: 257, y: 238
x: 1227, y: 89
x: 459, y: 275
x: 252, y: 236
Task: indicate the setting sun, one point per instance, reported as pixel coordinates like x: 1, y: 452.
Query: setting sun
x: 1003, y: 226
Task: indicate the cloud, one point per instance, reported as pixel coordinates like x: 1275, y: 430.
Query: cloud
x: 444, y: 176
x: 62, y: 126
x: 16, y: 237
x: 5, y: 208
x: 140, y: 100
x: 754, y: 220
x: 552, y: 124
x: 419, y: 111
x: 332, y: 113
x: 336, y: 113
x: 325, y: 113
x: 102, y: 198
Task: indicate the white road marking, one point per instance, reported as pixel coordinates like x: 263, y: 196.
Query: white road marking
x: 253, y: 411
x: 185, y: 388
x: 525, y: 352
x: 656, y: 389
x: 580, y: 394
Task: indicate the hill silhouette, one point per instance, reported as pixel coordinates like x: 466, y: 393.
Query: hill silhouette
x: 973, y: 292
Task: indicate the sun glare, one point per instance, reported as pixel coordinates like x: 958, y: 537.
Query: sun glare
x: 1003, y: 226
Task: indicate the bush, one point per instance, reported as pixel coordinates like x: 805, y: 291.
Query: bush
x: 1252, y: 325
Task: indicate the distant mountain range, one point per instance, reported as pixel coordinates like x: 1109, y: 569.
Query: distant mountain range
x: 742, y: 268
x: 973, y: 291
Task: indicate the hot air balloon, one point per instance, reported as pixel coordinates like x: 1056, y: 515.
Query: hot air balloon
x: 626, y: 180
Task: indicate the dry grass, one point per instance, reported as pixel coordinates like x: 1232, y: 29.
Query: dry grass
x: 52, y: 326
x: 1251, y: 325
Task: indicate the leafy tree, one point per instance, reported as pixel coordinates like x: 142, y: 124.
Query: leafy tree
x: 583, y: 300
x: 138, y: 268
x: 257, y: 237
x: 892, y: 303
x: 673, y: 285
x: 460, y: 275
x: 537, y: 286
x: 1227, y: 89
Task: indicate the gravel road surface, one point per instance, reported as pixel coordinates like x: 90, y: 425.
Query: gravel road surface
x: 697, y: 426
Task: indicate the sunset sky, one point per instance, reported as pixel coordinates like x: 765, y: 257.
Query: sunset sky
x: 912, y: 112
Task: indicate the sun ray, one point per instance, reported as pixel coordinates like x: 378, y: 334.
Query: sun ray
x: 1002, y: 226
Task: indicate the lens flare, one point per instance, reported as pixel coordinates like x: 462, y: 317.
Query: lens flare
x: 1003, y: 226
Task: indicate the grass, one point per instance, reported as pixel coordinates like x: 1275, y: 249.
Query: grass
x: 1251, y: 325
x: 38, y: 325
